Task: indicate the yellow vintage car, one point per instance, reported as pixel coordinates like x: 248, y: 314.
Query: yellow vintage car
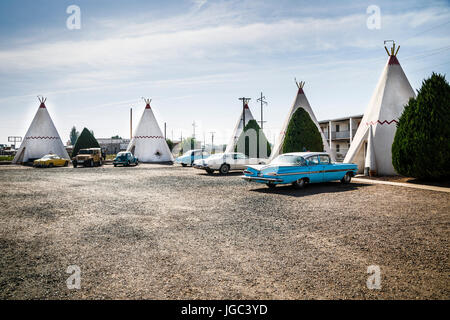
x: 49, y: 161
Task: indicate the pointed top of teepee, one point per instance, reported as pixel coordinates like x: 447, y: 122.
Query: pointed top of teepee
x: 300, y: 86
x: 392, y: 53
x: 42, y: 101
x: 147, y: 102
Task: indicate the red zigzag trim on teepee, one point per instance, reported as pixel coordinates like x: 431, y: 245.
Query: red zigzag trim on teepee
x: 148, y: 137
x: 43, y: 138
x: 381, y: 122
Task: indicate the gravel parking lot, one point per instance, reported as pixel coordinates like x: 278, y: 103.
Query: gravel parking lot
x: 166, y: 232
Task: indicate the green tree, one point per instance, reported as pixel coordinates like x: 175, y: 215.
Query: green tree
x: 113, y: 137
x: 302, y: 134
x: 421, y: 147
x: 245, y: 139
x: 189, y: 144
x: 73, y: 135
x: 170, y: 144
x: 84, y: 141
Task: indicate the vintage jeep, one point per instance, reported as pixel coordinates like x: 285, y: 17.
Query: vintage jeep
x: 88, y: 157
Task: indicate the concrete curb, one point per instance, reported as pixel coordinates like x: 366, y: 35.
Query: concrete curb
x: 403, y: 184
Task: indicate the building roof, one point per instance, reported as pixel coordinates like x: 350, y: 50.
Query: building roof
x: 341, y: 119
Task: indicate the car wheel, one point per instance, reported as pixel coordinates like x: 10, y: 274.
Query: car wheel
x: 115, y: 165
x: 300, y: 184
x: 347, y: 178
x: 224, y: 169
x: 184, y: 164
x: 74, y: 163
x: 137, y: 162
x: 271, y: 185
x: 50, y: 165
x: 209, y: 171
x: 66, y: 163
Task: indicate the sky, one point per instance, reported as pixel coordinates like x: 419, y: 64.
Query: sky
x: 195, y: 58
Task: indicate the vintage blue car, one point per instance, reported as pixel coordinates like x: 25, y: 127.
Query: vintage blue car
x: 125, y: 158
x: 299, y: 169
x: 188, y: 158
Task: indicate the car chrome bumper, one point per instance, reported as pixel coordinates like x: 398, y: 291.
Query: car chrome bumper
x: 257, y: 179
x: 200, y: 166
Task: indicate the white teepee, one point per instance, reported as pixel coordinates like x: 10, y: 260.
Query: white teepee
x: 41, y: 138
x: 239, y: 127
x: 148, y: 143
x: 300, y: 102
x: 388, y: 101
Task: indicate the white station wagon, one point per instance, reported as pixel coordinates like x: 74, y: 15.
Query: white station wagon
x: 226, y: 162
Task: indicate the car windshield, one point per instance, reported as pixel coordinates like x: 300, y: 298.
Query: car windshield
x: 289, y: 159
x: 187, y: 153
x: 121, y: 154
x: 86, y: 151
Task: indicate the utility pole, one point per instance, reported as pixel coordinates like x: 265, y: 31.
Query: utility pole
x: 212, y: 141
x: 244, y: 103
x: 193, y: 128
x: 131, y: 123
x: 165, y: 131
x: 263, y: 102
x: 204, y: 141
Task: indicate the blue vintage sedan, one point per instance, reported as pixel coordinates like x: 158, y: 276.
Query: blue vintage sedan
x: 299, y: 169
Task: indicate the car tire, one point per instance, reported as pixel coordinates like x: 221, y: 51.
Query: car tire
x: 115, y: 165
x: 271, y: 185
x: 50, y: 165
x: 66, y: 163
x: 224, y: 169
x: 347, y: 178
x: 74, y: 163
x: 137, y: 163
x: 209, y: 171
x: 184, y: 164
x: 300, y: 184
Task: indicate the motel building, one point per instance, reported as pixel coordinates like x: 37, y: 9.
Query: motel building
x: 113, y: 146
x: 339, y: 134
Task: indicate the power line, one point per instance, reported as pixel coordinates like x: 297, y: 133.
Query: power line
x: 430, y: 67
x: 428, y: 30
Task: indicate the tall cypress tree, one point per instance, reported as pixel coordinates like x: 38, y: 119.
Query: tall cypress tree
x: 84, y: 141
x: 73, y: 135
x: 421, y: 147
x: 302, y: 134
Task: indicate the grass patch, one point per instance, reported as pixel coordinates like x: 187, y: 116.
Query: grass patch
x: 6, y: 158
x: 110, y: 156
